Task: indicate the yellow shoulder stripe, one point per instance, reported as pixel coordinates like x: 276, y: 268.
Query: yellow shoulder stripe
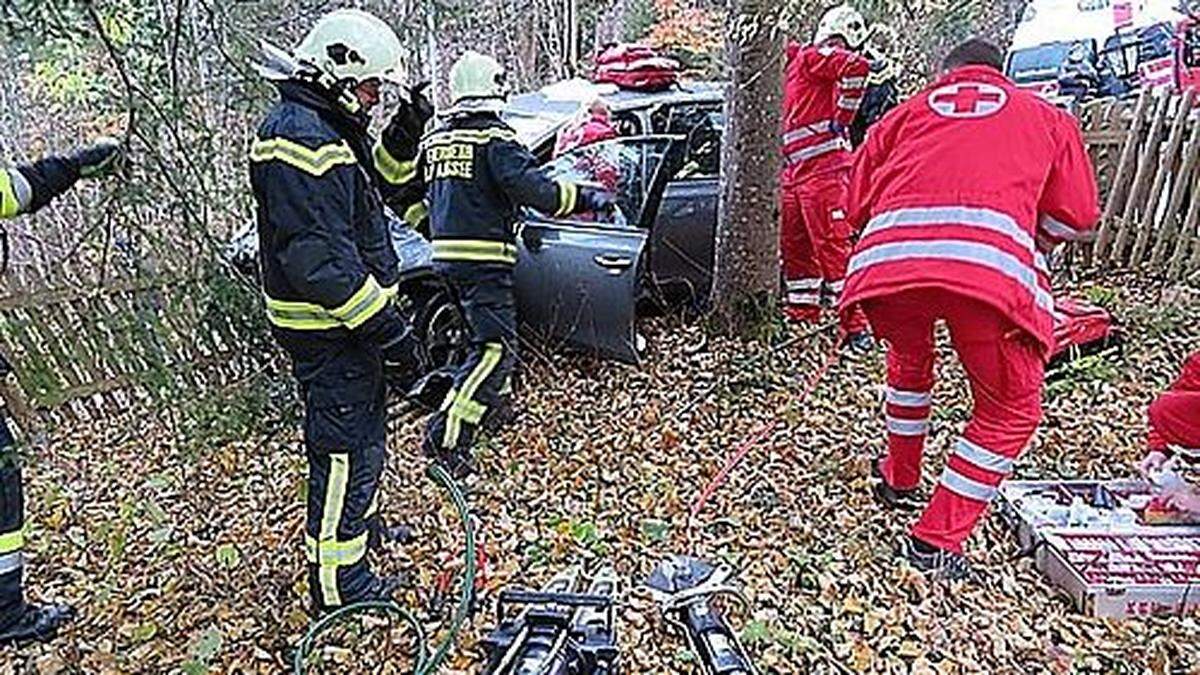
x: 313, y: 161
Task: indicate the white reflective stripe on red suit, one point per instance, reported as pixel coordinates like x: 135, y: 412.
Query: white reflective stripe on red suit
x: 803, y: 298
x: 966, y: 486
x: 953, y: 250
x: 981, y: 458
x: 852, y: 82
x: 908, y: 399
x: 831, y: 145
x: 849, y: 102
x: 907, y: 427
x: 986, y: 219
x: 807, y: 131
x: 804, y: 284
x: 1056, y: 228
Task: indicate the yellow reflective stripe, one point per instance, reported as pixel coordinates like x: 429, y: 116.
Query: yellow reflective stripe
x: 365, y: 303
x: 475, y: 136
x: 315, y: 162
x: 568, y: 194
x: 335, y: 553
x: 393, y: 170
x: 373, y: 507
x: 331, y: 515
x: 474, y: 250
x: 471, y: 412
x: 9, y: 204
x: 492, y: 352
x: 414, y: 214
x: 12, y: 541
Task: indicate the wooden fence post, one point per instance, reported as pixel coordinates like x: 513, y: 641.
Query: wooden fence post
x: 1124, y: 170
x: 1141, y: 178
x: 1166, y: 165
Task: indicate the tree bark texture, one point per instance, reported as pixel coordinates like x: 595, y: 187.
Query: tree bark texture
x: 746, y: 274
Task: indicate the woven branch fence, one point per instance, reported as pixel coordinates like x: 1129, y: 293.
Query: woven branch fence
x: 1146, y: 152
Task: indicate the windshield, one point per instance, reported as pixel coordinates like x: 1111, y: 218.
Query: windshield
x: 1037, y: 63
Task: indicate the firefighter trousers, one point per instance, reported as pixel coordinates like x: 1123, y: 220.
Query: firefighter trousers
x: 483, y: 382
x: 1006, y: 371
x: 345, y: 417
x: 814, y: 241
x: 12, y: 530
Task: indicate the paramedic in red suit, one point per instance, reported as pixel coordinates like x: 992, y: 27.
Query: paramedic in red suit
x: 1175, y: 428
x: 959, y: 193
x: 823, y: 88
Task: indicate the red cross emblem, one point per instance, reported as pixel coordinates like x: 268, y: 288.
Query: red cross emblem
x: 968, y: 99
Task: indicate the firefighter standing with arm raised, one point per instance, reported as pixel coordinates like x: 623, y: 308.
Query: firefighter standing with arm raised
x: 25, y: 189
x: 823, y: 88
x: 957, y: 230
x: 328, y: 272
x: 478, y: 175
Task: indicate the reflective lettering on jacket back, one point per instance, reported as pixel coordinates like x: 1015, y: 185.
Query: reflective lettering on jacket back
x: 456, y: 160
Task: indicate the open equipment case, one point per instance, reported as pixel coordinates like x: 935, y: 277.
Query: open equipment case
x: 1091, y: 540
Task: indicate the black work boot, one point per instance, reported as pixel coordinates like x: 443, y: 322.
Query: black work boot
x: 942, y: 564
x: 892, y: 498
x: 380, y: 533
x: 858, y: 343
x: 458, y: 463
x: 37, y: 623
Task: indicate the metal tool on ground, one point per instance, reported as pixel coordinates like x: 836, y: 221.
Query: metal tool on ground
x: 558, y: 630
x: 688, y: 592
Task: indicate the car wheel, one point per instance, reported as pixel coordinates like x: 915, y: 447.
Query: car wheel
x: 443, y: 330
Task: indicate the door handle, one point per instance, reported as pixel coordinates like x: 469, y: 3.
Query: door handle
x: 613, y: 263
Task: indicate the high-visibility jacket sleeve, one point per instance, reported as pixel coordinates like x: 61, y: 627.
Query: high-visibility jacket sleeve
x: 29, y: 187
x: 311, y: 210
x: 1069, y: 205
x: 847, y: 71
x: 516, y: 170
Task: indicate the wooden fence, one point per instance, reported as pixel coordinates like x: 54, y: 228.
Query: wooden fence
x: 84, y: 352
x: 1145, y: 152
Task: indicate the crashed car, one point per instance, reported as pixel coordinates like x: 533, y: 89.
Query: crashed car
x: 580, y: 280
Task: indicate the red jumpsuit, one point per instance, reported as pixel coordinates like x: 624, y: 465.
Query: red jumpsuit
x: 956, y: 227
x: 823, y: 88
x: 1175, y: 414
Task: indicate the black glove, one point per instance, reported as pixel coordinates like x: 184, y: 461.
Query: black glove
x: 599, y: 201
x: 403, y: 132
x: 98, y: 159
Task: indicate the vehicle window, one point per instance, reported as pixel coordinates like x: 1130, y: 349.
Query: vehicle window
x: 1191, y: 47
x: 623, y: 167
x: 627, y: 124
x: 701, y: 124
x: 1038, y: 63
x: 1154, y: 43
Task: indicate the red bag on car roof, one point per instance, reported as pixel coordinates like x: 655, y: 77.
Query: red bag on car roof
x: 1080, y: 328
x: 635, y: 66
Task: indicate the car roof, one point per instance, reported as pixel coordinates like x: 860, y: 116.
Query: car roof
x: 538, y: 115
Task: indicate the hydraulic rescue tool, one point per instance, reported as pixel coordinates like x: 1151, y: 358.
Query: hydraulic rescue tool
x: 558, y: 630
x: 686, y: 590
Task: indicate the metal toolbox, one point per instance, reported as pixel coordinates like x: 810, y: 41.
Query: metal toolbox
x: 1113, y: 564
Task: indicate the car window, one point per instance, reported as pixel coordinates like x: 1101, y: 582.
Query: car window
x: 623, y: 167
x: 701, y: 124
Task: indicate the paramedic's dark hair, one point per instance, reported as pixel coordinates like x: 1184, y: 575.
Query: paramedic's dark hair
x: 974, y: 52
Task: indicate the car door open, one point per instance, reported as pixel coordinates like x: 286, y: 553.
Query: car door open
x: 578, y: 279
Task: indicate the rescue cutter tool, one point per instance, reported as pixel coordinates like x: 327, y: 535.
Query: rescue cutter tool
x: 558, y: 631
x: 686, y: 590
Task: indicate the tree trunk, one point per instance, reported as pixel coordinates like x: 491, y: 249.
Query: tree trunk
x: 746, y: 266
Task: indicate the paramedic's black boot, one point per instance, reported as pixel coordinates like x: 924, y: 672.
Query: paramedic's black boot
x: 942, y: 564
x: 900, y: 500
x: 859, y: 343
x: 37, y: 623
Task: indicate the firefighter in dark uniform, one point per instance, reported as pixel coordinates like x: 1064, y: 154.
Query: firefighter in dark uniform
x: 329, y: 272
x: 478, y: 175
x: 25, y: 189
x: 882, y: 92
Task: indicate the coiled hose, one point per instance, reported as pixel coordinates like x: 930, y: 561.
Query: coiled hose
x: 424, y: 663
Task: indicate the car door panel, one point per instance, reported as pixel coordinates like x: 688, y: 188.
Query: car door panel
x: 681, y: 239
x: 576, y: 285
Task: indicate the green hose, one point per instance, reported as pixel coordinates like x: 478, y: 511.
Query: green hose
x: 424, y: 665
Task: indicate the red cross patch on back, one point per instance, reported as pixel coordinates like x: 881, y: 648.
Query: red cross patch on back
x: 967, y: 100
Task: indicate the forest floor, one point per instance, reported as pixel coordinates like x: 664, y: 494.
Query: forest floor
x: 190, y: 560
